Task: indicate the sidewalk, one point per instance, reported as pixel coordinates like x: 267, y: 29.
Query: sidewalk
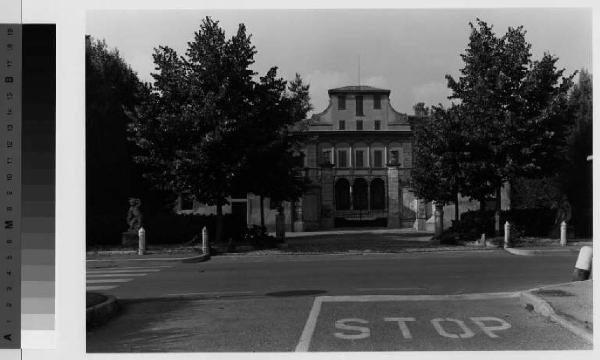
x: 548, y: 247
x: 569, y: 304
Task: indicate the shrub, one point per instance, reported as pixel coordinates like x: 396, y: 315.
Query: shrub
x: 258, y: 238
x: 161, y: 228
x: 524, y: 222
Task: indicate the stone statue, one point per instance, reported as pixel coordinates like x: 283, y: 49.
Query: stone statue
x: 134, y: 215
x: 563, y: 212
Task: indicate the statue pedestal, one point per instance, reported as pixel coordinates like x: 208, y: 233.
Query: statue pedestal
x: 129, y: 238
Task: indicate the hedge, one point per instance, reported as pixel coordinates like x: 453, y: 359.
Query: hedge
x: 161, y: 228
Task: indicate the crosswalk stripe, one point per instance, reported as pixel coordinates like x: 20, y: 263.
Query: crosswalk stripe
x: 97, y: 288
x: 121, y: 271
x: 99, y: 281
x: 129, y: 268
x: 113, y: 275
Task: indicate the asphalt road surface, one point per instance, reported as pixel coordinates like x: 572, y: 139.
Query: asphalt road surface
x: 375, y: 302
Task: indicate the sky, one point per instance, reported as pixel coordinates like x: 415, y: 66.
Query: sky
x: 408, y: 51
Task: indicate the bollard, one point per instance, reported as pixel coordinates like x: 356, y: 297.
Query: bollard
x: 507, y: 235
x: 439, y: 219
x: 205, y: 246
x: 583, y: 266
x: 563, y: 233
x: 142, y: 241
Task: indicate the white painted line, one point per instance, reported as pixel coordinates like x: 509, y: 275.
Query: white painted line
x: 100, y: 281
x: 217, y: 293
x: 112, y: 275
x: 120, y: 271
x: 311, y: 322
x: 96, y: 288
x: 143, y: 259
x: 128, y: 268
x: 309, y: 327
x: 371, y: 298
x: 389, y: 289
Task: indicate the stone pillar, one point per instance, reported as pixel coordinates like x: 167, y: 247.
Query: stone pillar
x: 393, y: 194
x: 327, y: 207
x: 439, y: 219
x: 298, y: 224
x: 280, y: 225
x: 421, y: 215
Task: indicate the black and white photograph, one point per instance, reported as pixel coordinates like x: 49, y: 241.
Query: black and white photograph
x: 338, y: 180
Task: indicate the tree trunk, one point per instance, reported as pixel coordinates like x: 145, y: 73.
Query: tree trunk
x: 219, y: 224
x: 456, y: 209
x: 262, y: 212
x: 497, y: 226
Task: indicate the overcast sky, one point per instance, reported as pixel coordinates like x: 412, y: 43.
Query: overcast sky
x: 406, y: 51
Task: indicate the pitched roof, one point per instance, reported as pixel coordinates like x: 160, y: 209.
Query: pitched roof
x: 358, y: 89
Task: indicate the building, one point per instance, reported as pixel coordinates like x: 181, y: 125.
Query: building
x: 358, y: 155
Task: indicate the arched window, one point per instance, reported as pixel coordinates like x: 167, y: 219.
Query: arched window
x: 360, y: 199
x: 342, y: 194
x: 377, y: 194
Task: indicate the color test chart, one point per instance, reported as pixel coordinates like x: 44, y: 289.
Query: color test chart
x: 27, y: 281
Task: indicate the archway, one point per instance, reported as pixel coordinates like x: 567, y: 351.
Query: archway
x: 342, y: 194
x: 360, y: 198
x: 377, y: 194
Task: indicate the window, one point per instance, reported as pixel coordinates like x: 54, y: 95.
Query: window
x: 342, y: 125
x: 342, y: 158
x: 395, y: 157
x: 187, y: 202
x: 376, y: 102
x: 359, y: 106
x: 377, y: 158
x: 377, y: 124
x: 360, y: 159
x: 359, y: 124
x: 326, y: 157
x: 341, y: 102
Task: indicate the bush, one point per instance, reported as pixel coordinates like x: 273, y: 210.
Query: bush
x: 530, y: 222
x: 161, y: 228
x: 473, y: 223
x: 524, y: 222
x: 170, y: 228
x: 258, y: 238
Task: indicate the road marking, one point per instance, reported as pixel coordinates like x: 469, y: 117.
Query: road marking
x: 126, y: 267
x: 121, y: 271
x: 370, y: 298
x: 437, y: 324
x: 480, y: 321
x: 364, y: 332
x: 100, y: 281
x: 389, y: 289
x: 309, y: 327
x: 112, y: 275
x: 311, y: 322
x: 96, y: 288
x: 214, y: 293
x: 402, y: 325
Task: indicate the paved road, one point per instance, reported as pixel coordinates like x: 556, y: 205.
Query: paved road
x: 289, y: 303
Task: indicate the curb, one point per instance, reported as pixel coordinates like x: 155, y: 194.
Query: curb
x: 532, y: 252
x: 195, y: 259
x: 535, y: 303
x: 228, y: 255
x: 101, y: 313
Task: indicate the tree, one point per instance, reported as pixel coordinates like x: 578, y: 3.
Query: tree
x: 437, y: 174
x: 512, y: 108
x: 112, y: 89
x: 575, y: 177
x: 272, y: 160
x: 188, y: 130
